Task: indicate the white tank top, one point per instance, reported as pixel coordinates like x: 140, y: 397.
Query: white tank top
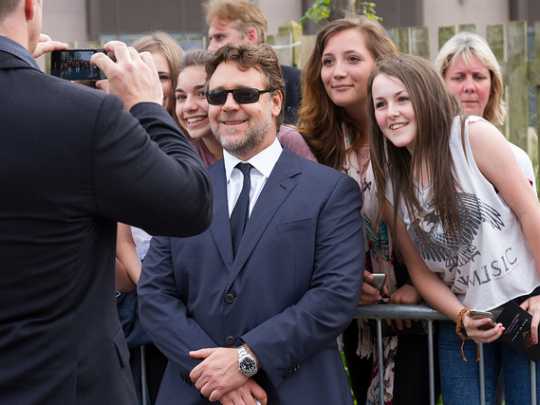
x: 490, y: 263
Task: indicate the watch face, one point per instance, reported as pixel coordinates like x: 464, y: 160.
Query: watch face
x: 248, y: 367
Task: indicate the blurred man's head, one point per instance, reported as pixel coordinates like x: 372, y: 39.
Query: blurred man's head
x: 7, y: 7
x: 245, y: 96
x: 234, y: 22
x: 20, y: 20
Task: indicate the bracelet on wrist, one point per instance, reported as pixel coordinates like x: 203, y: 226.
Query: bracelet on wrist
x: 461, y: 331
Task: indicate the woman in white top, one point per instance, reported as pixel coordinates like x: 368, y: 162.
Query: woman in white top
x: 473, y: 75
x: 464, y: 217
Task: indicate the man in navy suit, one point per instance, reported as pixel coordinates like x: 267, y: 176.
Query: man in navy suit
x: 251, y: 308
x: 73, y: 162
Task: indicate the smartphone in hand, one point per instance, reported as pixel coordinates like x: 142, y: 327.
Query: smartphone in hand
x: 378, y: 280
x: 74, y: 64
x: 475, y: 314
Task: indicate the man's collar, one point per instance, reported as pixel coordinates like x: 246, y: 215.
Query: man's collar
x: 263, y: 162
x: 17, y: 50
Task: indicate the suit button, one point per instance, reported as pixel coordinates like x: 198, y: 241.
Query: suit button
x: 186, y: 378
x: 229, y: 298
x: 230, y: 341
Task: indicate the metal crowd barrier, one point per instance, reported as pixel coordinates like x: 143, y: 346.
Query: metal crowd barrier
x: 380, y: 312
x: 145, y: 398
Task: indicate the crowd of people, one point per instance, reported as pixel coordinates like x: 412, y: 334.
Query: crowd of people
x: 242, y: 210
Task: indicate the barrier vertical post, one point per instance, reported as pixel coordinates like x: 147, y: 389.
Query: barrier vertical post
x: 431, y: 364
x: 381, y: 361
x: 144, y: 382
x: 533, y: 383
x: 482, y: 375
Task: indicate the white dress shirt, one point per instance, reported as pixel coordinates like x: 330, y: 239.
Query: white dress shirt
x: 263, y: 163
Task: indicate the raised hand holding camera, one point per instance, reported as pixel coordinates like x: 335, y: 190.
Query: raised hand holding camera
x: 133, y: 77
x: 47, y: 44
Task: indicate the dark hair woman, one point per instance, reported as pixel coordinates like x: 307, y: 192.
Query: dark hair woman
x: 465, y: 219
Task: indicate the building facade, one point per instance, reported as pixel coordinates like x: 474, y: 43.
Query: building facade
x: 83, y: 21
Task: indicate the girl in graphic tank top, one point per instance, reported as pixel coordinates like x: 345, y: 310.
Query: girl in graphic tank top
x: 464, y: 216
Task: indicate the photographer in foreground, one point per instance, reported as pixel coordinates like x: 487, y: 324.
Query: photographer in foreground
x: 73, y: 163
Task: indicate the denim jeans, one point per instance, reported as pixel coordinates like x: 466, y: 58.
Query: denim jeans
x: 460, y: 381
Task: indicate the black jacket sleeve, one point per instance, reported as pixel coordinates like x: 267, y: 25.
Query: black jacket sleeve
x: 146, y: 173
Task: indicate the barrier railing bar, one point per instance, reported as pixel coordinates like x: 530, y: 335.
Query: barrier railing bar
x: 381, y: 312
x: 393, y: 311
x: 381, y: 361
x: 144, y: 387
x: 431, y: 364
x: 482, y: 375
x: 533, y: 383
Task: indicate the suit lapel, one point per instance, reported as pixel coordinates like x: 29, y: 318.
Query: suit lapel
x: 220, y: 228
x: 279, y: 185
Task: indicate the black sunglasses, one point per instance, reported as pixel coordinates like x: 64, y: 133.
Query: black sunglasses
x: 243, y: 95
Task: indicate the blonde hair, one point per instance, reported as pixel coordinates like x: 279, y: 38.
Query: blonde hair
x: 165, y: 45
x: 241, y: 12
x: 466, y: 45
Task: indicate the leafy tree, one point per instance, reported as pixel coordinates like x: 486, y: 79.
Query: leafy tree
x: 368, y: 9
x: 321, y: 10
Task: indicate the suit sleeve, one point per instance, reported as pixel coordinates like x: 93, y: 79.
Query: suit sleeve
x: 161, y: 311
x: 284, y: 341
x: 146, y: 173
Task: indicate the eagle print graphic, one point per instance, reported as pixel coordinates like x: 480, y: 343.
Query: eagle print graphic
x: 455, y: 251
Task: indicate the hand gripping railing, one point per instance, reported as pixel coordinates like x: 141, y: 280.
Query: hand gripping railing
x: 380, y: 312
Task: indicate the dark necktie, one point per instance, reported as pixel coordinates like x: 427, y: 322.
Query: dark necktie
x: 240, y: 214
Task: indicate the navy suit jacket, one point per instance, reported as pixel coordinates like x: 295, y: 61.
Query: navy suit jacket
x: 293, y: 92
x: 288, y: 294
x: 72, y: 164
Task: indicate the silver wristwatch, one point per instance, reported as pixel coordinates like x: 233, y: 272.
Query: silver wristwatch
x: 247, y: 364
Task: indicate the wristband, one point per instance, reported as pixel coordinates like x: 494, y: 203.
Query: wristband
x: 460, y: 330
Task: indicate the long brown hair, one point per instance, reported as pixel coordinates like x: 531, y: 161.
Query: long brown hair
x: 321, y: 122
x: 164, y: 44
x: 435, y: 110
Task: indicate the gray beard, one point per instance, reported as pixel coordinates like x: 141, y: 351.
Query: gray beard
x: 254, y: 137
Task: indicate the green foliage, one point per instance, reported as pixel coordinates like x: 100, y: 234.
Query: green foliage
x: 319, y: 11
x: 368, y: 9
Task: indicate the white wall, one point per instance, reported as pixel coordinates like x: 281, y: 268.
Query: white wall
x: 452, y: 12
x: 65, y: 20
